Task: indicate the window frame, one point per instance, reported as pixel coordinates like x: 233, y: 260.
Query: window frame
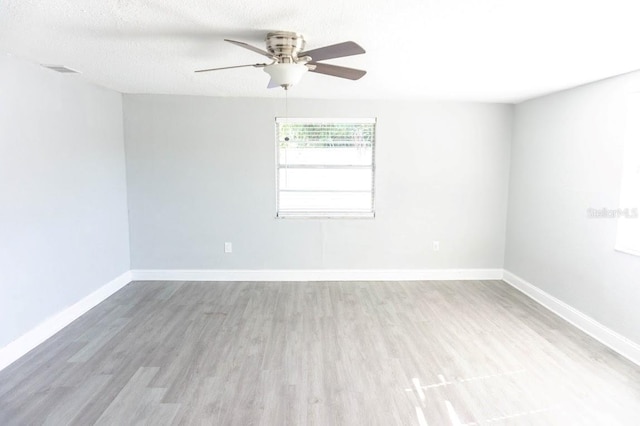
x: 630, y: 181
x: 308, y: 214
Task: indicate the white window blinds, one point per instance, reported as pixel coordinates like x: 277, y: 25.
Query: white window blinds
x: 325, y: 167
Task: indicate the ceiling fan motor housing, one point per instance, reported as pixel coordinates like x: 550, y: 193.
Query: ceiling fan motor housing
x: 285, y: 45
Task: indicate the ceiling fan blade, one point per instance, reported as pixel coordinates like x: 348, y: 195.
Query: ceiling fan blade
x: 348, y: 48
x: 235, y: 66
x: 250, y: 47
x: 336, y: 71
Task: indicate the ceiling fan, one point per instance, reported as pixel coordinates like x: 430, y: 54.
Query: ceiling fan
x: 290, y: 61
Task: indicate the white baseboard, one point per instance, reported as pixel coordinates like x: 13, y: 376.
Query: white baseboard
x: 605, y: 335
x: 52, y: 325
x: 314, y: 274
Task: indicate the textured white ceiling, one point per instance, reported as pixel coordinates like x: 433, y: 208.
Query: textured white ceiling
x: 475, y: 50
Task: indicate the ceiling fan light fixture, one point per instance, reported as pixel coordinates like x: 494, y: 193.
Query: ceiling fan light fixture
x: 286, y: 74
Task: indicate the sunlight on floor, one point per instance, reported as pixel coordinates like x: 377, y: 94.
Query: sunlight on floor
x: 426, y: 400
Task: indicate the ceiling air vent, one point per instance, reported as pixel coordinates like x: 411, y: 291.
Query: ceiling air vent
x: 60, y: 68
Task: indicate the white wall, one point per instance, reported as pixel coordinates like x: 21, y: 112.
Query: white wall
x: 567, y: 157
x: 63, y: 213
x: 201, y: 172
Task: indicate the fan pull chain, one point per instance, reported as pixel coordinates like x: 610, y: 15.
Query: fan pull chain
x: 286, y: 138
x: 286, y: 112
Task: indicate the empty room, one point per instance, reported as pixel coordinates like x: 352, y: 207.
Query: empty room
x: 330, y: 213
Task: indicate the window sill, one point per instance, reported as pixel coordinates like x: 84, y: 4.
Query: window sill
x: 325, y: 216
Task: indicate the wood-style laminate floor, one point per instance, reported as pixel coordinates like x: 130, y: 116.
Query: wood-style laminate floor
x: 338, y: 353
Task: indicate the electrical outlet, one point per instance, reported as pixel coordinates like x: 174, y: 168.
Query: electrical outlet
x: 228, y: 247
x: 436, y: 246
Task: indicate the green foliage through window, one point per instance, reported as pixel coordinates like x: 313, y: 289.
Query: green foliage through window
x: 333, y: 135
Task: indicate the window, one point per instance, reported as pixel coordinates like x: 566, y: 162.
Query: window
x: 325, y: 167
x: 628, y: 239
